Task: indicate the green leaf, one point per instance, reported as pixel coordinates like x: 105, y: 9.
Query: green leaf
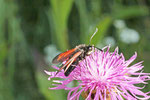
x: 85, y: 20
x: 60, y: 13
x: 44, y: 84
x: 122, y: 12
x: 102, y: 26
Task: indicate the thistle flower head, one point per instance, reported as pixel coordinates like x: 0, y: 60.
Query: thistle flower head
x: 104, y: 75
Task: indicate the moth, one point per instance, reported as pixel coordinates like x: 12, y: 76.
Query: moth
x: 73, y: 56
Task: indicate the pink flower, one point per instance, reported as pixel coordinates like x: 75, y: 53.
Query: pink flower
x: 104, y: 75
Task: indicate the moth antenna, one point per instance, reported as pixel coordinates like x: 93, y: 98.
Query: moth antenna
x: 93, y: 35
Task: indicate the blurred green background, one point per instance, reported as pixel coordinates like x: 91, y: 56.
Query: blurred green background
x: 32, y: 32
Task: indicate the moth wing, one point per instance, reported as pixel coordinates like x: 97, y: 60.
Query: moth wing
x: 63, y: 56
x: 69, y: 62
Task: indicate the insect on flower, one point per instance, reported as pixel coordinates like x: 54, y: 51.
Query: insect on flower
x: 74, y: 56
